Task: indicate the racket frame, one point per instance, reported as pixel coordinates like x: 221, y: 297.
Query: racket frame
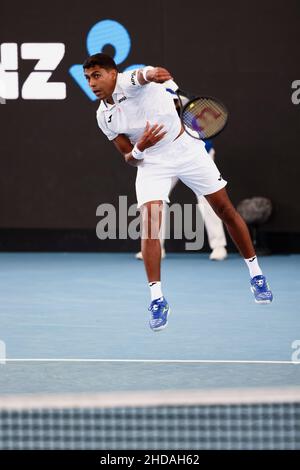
x: 192, y: 98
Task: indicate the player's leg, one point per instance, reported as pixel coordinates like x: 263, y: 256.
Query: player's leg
x: 239, y: 233
x: 203, y: 177
x: 153, y: 183
x: 151, y: 251
x: 237, y: 228
x: 139, y: 255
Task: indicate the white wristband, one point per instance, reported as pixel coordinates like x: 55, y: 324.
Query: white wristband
x: 145, y: 70
x: 136, y: 153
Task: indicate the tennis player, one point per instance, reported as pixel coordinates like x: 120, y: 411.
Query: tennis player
x: 140, y: 118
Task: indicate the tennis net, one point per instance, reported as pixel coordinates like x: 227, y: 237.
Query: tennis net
x: 207, y: 419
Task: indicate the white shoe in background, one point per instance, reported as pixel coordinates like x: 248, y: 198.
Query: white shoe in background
x: 218, y: 254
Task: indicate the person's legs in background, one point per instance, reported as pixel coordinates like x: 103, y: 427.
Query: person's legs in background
x: 215, y: 230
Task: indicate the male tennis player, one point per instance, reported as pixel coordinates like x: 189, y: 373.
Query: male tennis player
x: 140, y: 118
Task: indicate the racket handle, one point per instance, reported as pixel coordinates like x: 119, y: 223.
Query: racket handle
x: 186, y: 94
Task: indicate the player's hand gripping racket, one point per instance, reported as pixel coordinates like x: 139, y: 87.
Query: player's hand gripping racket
x: 203, y: 117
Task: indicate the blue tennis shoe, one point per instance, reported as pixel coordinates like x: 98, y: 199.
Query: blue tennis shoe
x: 261, y: 290
x: 160, y: 311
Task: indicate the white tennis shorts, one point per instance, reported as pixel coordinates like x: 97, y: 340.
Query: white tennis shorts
x: 186, y: 159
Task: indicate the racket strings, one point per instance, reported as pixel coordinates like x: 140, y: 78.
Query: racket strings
x: 205, y: 116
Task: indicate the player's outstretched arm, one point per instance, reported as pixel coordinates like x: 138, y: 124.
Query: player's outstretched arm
x: 153, y: 74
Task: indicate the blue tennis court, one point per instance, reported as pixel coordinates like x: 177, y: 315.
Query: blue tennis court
x: 78, y: 313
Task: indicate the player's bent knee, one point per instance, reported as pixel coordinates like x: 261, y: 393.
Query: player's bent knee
x: 151, y: 217
x: 151, y: 211
x: 227, y: 213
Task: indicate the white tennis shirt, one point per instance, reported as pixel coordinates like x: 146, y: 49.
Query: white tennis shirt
x: 134, y: 105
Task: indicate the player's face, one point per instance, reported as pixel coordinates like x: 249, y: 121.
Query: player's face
x: 101, y: 81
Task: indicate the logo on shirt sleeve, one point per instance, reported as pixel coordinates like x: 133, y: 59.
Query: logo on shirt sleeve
x: 133, y: 77
x: 122, y: 99
x: 109, y: 119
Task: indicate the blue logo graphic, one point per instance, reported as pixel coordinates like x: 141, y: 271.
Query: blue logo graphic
x: 103, y: 33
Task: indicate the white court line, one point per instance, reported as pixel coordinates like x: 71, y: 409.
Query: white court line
x: 150, y: 361
x: 152, y: 398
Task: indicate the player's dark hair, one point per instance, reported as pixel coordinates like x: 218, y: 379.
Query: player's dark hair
x: 103, y: 60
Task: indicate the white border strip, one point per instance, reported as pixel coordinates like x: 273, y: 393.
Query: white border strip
x: 150, y: 361
x: 152, y: 398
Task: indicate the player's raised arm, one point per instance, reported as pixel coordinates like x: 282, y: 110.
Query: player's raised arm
x: 153, y: 74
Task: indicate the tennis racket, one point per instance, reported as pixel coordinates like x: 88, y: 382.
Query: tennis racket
x: 203, y: 117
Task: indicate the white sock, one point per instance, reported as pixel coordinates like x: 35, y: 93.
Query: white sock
x: 155, y: 290
x: 253, y: 266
